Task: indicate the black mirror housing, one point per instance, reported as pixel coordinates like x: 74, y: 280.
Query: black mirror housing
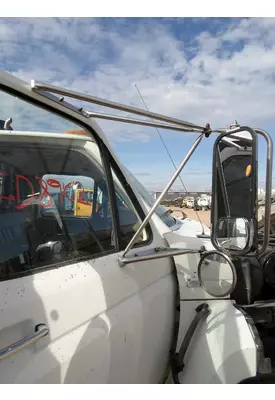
x: 235, y: 190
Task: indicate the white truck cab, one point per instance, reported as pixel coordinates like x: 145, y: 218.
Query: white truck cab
x: 126, y: 294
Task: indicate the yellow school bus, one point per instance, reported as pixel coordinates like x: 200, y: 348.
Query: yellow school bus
x: 83, y: 202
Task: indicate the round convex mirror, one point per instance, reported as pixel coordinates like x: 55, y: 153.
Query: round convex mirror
x: 217, y: 274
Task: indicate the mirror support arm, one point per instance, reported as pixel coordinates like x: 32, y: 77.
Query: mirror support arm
x: 157, y: 202
x: 268, y: 187
x: 158, y: 252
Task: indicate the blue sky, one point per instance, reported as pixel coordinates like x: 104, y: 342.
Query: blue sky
x: 198, y: 69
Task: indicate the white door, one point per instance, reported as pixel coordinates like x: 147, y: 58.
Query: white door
x: 83, y: 317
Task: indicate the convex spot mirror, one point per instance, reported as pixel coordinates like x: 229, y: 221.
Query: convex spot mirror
x: 234, y: 186
x: 217, y: 274
x: 233, y: 233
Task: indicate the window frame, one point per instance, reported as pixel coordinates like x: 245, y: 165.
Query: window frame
x: 108, y: 163
x: 112, y: 165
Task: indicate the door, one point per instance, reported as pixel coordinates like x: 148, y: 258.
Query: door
x: 83, y: 318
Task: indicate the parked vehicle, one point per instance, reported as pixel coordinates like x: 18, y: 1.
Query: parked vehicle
x: 188, y: 202
x: 202, y: 203
x: 117, y: 296
x: 184, y: 201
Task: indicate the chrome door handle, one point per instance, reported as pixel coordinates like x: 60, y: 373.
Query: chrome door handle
x: 40, y: 331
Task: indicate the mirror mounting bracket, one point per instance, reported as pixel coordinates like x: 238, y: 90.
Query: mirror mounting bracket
x: 156, y: 253
x: 157, y: 202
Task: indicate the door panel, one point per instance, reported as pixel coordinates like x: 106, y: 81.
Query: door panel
x: 107, y: 324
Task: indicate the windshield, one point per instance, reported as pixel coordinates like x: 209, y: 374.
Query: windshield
x: 148, y: 198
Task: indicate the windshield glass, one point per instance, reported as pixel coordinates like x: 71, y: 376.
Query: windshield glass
x: 148, y: 198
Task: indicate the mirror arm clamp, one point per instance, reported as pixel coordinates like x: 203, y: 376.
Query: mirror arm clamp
x: 207, y: 130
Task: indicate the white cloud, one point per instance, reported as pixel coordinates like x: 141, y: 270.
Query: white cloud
x: 150, y: 56
x: 222, y: 80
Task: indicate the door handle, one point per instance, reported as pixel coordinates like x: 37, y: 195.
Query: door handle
x: 41, y: 330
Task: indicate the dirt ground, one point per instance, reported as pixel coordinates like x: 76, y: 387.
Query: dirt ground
x: 204, y: 215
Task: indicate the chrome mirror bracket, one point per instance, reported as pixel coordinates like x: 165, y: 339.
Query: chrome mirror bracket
x: 155, y: 253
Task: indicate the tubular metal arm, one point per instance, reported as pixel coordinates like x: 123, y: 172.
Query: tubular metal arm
x: 157, y: 202
x: 43, y: 88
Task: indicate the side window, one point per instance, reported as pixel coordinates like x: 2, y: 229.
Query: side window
x: 129, y: 219
x: 54, y: 197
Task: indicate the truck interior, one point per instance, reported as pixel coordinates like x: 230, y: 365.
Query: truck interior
x: 49, y: 226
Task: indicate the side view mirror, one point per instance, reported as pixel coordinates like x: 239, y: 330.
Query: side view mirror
x: 217, y: 274
x: 235, y: 187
